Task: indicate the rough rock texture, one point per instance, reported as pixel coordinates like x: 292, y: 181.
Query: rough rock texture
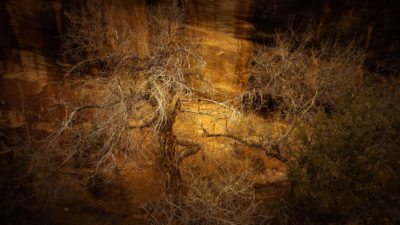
x: 30, y: 30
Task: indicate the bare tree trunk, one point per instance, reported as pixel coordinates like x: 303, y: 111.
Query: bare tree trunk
x: 169, y: 164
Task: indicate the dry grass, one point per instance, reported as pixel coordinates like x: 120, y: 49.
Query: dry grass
x: 223, y: 193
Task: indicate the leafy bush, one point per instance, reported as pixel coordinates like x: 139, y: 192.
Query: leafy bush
x: 349, y: 164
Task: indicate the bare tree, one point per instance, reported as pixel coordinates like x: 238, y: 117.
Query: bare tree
x: 292, y: 79
x: 128, y: 99
x: 295, y: 73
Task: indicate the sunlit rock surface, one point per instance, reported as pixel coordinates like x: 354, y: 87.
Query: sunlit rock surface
x: 222, y: 30
x: 226, y: 32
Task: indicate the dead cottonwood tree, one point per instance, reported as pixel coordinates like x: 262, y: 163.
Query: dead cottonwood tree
x: 133, y: 80
x: 126, y: 106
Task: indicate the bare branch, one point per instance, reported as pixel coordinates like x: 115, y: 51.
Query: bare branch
x: 192, y: 148
x: 268, y: 149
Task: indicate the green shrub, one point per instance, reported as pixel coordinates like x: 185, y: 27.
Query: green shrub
x: 347, y: 169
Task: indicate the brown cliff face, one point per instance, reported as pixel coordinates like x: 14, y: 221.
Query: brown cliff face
x: 29, y: 52
x: 223, y: 34
x: 225, y: 30
x: 31, y: 31
x: 31, y: 60
x: 31, y: 49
